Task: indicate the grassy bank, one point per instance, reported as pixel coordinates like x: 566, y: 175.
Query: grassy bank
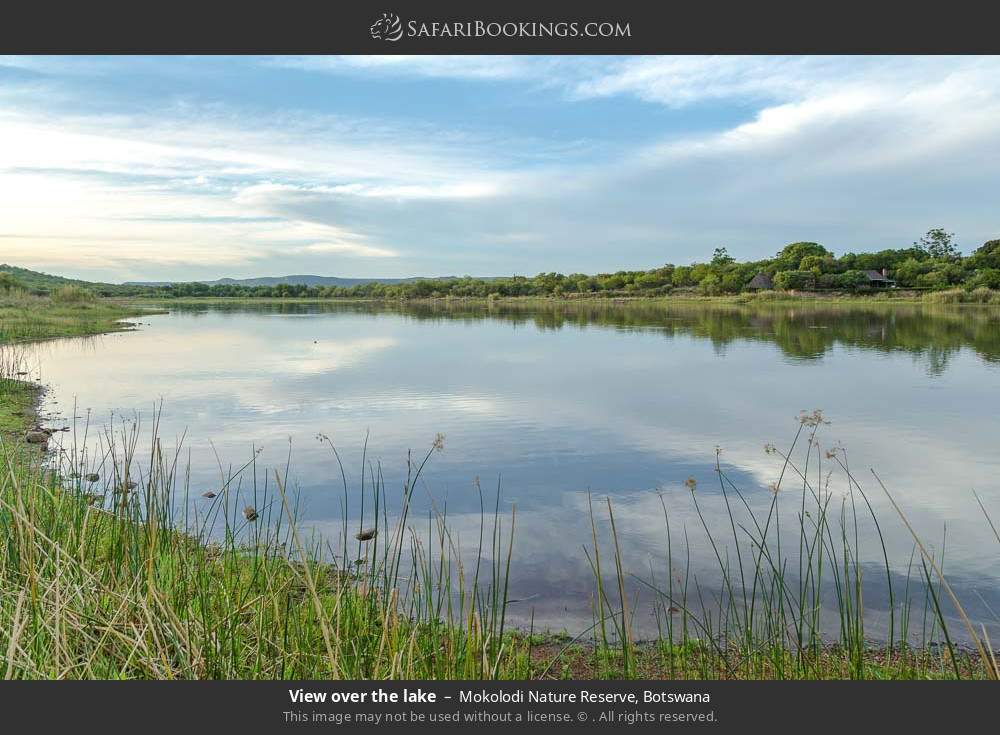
x: 111, y: 566
x: 68, y: 312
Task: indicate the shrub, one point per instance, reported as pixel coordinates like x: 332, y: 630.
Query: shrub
x: 950, y: 296
x: 934, y: 279
x: 988, y: 255
x: 982, y: 295
x: 72, y: 295
x: 710, y: 285
x: 794, y: 280
x: 852, y: 280
x: 988, y: 277
x: 8, y: 283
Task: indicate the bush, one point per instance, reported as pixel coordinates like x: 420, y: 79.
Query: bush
x: 983, y: 295
x: 987, y: 256
x: 950, y: 296
x: 710, y: 285
x: 794, y: 280
x: 72, y: 295
x: 852, y: 280
x: 934, y: 279
x: 8, y: 283
x: 987, y: 277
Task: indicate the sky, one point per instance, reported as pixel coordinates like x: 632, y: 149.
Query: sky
x: 188, y: 168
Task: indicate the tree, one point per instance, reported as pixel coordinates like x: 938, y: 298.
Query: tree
x: 987, y: 255
x: 816, y: 263
x: 682, y: 276
x: 852, y: 280
x: 909, y: 271
x: 8, y: 282
x: 989, y: 277
x: 710, y: 285
x: 792, y: 254
x: 938, y: 244
x: 794, y: 279
x: 722, y: 258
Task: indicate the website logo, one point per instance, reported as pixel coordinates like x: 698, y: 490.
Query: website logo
x: 387, y: 28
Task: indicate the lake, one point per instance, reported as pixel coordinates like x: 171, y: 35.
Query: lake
x: 563, y: 405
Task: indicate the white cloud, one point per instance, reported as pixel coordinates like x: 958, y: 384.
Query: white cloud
x: 855, y: 152
x: 206, y: 187
x: 685, y: 80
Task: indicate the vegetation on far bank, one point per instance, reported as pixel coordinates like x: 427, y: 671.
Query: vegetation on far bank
x: 932, y: 266
x: 70, y: 311
x: 800, y: 267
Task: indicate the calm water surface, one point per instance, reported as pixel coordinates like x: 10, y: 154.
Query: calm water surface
x: 556, y: 403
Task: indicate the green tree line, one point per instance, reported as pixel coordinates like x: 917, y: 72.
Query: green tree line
x: 933, y: 262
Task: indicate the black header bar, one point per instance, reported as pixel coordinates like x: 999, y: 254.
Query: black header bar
x: 447, y: 26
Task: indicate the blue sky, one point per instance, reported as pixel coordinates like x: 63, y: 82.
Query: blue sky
x: 169, y: 168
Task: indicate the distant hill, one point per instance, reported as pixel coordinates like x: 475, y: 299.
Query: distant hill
x: 36, y: 280
x: 39, y: 282
x: 301, y: 280
x: 43, y: 282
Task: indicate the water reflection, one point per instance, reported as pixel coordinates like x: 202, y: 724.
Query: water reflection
x: 807, y: 331
x: 563, y: 402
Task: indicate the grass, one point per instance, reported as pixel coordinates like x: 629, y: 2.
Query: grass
x: 111, y: 566
x: 106, y: 584
x: 70, y: 312
x: 981, y: 295
x: 17, y: 402
x: 108, y: 570
x: 769, y: 615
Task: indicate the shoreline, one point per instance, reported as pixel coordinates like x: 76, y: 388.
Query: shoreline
x: 778, y: 299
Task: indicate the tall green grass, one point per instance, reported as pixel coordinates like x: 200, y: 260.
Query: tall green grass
x: 112, y: 566
x: 73, y: 295
x: 70, y: 311
x: 794, y: 612
x: 106, y: 572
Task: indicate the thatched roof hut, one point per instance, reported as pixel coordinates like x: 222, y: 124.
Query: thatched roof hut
x: 760, y: 282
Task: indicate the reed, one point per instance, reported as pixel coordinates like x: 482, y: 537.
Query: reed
x: 106, y: 572
x: 112, y: 566
x: 800, y: 612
